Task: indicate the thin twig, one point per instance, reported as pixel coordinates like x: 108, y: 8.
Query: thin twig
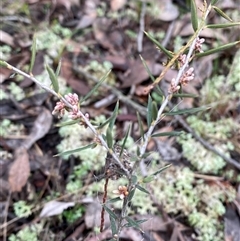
x: 88, y: 123
x: 206, y: 144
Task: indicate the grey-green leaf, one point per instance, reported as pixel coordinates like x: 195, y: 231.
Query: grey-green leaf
x: 221, y: 13
x: 170, y: 133
x: 149, y: 111
x: 33, y: 54
x: 53, y: 78
x: 218, y: 49
x: 109, y: 138
x: 187, y: 111
x: 94, y: 89
x: 142, y: 189
x: 110, y: 212
x: 164, y: 50
x: 223, y: 25
x: 140, y: 124
x: 194, y: 17
x: 92, y: 145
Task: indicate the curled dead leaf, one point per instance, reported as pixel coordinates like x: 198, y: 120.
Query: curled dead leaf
x: 19, y: 171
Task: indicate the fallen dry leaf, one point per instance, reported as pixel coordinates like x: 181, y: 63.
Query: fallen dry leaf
x: 19, y: 171
x: 41, y: 126
x: 7, y: 38
x: 53, y: 208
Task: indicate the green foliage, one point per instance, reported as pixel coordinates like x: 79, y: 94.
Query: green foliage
x: 16, y: 91
x: 26, y: 234
x: 73, y: 214
x: 22, y: 209
x: 179, y: 192
x: 9, y: 128
x: 203, y: 160
x: 5, y: 52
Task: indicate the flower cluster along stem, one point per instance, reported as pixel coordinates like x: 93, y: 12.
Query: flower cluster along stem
x: 88, y: 123
x: 191, y: 45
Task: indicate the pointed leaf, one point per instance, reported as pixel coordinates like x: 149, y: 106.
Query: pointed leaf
x: 67, y: 123
x: 132, y: 223
x: 142, y: 189
x: 218, y: 49
x: 134, y: 179
x: 187, y: 111
x: 113, y: 200
x: 223, y: 25
x: 149, y: 111
x: 164, y: 50
x: 185, y: 95
x: 161, y: 169
x: 114, y: 116
x: 147, y: 69
x: 92, y: 145
x: 131, y: 194
x: 194, y: 17
x: 221, y: 13
x: 148, y: 179
x: 113, y: 225
x: 170, y: 133
x: 140, y: 124
x: 58, y: 68
x: 125, y: 140
x: 109, y: 138
x: 95, y: 87
x: 53, y: 78
x: 110, y: 212
x: 154, y: 110
x: 33, y: 54
x: 214, y: 1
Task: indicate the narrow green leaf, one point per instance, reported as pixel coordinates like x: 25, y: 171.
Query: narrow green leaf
x: 33, y: 54
x: 194, y: 16
x: 164, y: 50
x: 134, y: 179
x: 185, y: 95
x: 214, y: 1
x: 113, y: 200
x: 131, y: 194
x: 67, y: 123
x: 94, y: 89
x: 187, y: 111
x: 154, y: 110
x: 113, y: 225
x: 218, y: 49
x: 125, y: 140
x: 109, y: 138
x: 147, y: 69
x: 104, y: 123
x: 223, y: 25
x: 142, y: 189
x: 149, y: 111
x: 162, y: 169
x: 131, y: 223
x: 58, y: 68
x: 221, y: 13
x: 140, y: 124
x: 53, y: 78
x: 92, y: 145
x: 114, y: 116
x: 171, y: 133
x: 110, y: 212
x: 134, y: 223
x: 148, y: 179
x: 3, y: 64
